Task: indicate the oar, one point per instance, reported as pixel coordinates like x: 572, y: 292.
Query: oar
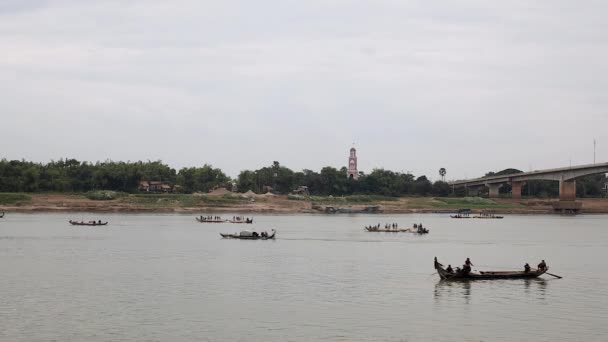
x: 555, y: 275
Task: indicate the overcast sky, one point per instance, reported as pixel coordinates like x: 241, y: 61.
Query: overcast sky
x: 472, y: 86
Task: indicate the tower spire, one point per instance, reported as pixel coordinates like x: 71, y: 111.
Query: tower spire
x: 352, y: 164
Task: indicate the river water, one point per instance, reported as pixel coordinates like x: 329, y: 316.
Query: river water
x: 168, y: 278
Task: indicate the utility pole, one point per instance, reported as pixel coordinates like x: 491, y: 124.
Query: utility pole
x: 594, y: 143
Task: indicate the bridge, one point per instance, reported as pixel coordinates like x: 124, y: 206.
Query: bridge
x: 566, y: 176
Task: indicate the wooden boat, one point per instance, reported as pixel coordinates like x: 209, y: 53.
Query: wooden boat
x: 488, y: 217
x: 486, y: 275
x: 209, y: 221
x: 247, y: 235
x: 459, y: 216
x: 91, y: 223
x: 241, y: 221
x: 388, y: 230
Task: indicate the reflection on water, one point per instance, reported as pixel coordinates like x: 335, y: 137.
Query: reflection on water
x: 536, y: 287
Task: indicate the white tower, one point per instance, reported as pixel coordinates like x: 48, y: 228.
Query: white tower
x: 352, y: 165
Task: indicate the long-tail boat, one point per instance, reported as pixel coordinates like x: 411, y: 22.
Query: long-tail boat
x: 486, y: 275
x: 371, y: 229
x: 248, y: 235
x: 90, y: 223
x: 461, y: 216
x: 203, y: 220
x: 241, y: 221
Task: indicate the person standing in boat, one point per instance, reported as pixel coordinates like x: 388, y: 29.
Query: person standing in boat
x: 437, y: 264
x: 468, y: 262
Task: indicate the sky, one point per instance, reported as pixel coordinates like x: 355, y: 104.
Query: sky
x: 472, y: 86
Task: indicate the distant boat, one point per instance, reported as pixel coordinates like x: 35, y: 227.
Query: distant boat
x: 202, y: 220
x: 248, y: 235
x: 241, y: 221
x: 90, y: 223
x: 461, y: 216
x: 371, y: 229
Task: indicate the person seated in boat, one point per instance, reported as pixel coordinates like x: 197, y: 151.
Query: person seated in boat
x: 449, y: 269
x: 263, y: 234
x: 542, y: 266
x: 415, y: 226
x: 458, y: 270
x: 99, y: 222
x: 526, y: 268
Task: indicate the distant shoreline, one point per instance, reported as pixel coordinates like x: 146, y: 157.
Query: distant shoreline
x: 279, y: 204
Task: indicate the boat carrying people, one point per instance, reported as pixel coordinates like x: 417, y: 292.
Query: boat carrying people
x: 466, y: 273
x: 88, y: 223
x: 210, y: 219
x: 394, y: 228
x: 251, y: 235
x: 241, y: 219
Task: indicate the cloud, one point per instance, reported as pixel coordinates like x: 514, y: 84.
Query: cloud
x: 471, y: 87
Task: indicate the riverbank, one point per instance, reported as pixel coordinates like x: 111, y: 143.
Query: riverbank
x: 268, y: 203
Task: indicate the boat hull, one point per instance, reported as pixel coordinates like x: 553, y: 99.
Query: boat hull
x: 74, y: 223
x: 258, y: 237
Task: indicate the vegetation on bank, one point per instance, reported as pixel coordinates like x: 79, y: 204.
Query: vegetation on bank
x: 183, y: 200
x: 14, y: 199
x: 353, y: 199
x: 461, y: 202
x: 71, y: 175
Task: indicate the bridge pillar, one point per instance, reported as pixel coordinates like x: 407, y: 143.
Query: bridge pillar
x: 516, y: 189
x: 567, y: 190
x: 493, y: 190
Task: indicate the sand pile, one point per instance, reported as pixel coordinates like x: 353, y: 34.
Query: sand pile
x: 219, y: 192
x: 249, y: 194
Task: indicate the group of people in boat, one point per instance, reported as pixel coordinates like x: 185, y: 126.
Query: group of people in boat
x: 420, y: 229
x: 466, y: 268
x: 242, y: 219
x: 387, y: 226
x: 263, y: 234
x: 210, y: 218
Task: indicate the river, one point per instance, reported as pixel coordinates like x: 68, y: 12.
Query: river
x: 167, y: 277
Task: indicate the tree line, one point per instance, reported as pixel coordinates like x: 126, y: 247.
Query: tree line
x: 71, y: 175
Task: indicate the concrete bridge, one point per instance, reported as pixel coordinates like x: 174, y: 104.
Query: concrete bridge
x: 566, y: 176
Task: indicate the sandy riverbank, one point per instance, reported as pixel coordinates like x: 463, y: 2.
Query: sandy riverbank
x: 278, y: 204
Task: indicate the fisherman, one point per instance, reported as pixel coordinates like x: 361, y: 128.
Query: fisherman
x: 542, y: 266
x: 466, y: 269
x: 526, y: 268
x: 449, y: 269
x: 468, y: 263
x: 99, y: 222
